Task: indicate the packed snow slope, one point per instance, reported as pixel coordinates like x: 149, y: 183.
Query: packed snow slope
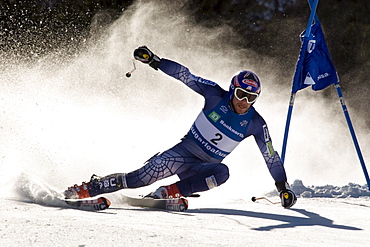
x: 63, y: 118
x: 37, y: 217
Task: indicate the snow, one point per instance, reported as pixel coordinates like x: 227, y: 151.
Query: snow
x: 63, y: 119
x: 38, y: 218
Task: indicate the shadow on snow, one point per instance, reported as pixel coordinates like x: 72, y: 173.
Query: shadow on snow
x: 311, y: 219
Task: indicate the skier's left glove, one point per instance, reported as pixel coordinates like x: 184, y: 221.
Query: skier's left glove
x: 144, y: 55
x: 288, y: 198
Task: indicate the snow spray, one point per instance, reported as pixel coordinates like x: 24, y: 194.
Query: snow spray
x: 64, y: 118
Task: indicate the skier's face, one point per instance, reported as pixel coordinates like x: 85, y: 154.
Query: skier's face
x: 240, y: 106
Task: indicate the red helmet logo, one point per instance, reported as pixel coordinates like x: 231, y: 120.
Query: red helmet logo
x: 250, y: 82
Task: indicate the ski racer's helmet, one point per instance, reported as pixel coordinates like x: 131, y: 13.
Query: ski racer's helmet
x: 246, y: 80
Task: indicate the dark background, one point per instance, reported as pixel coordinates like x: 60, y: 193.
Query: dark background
x: 32, y: 28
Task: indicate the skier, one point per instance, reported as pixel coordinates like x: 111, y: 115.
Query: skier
x: 228, y: 117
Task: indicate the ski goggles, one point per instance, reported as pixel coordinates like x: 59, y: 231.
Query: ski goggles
x: 241, y: 93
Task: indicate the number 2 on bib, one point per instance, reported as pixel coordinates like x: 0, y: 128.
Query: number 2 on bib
x: 217, y: 139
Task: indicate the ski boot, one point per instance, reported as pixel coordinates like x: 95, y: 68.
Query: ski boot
x: 80, y: 191
x: 166, y: 192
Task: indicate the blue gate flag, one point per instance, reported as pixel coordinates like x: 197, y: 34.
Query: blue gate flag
x: 314, y: 66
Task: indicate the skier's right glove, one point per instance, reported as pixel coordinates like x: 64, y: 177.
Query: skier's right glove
x: 144, y: 55
x: 288, y: 198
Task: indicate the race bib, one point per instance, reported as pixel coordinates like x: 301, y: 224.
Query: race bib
x: 213, y: 135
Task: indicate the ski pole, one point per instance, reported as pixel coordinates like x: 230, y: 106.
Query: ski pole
x: 128, y: 74
x: 254, y: 199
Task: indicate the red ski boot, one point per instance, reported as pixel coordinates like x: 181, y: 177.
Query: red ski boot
x: 77, y: 192
x: 167, y: 192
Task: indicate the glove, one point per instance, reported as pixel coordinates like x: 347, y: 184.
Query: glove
x: 288, y: 198
x: 144, y: 55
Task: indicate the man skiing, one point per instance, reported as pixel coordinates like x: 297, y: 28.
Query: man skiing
x: 228, y: 117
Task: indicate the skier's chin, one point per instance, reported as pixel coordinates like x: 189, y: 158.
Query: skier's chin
x: 241, y: 109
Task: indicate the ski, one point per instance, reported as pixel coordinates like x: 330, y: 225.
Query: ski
x: 175, y: 204
x: 89, y: 204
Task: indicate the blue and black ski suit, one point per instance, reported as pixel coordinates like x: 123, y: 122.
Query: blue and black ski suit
x: 197, y: 159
